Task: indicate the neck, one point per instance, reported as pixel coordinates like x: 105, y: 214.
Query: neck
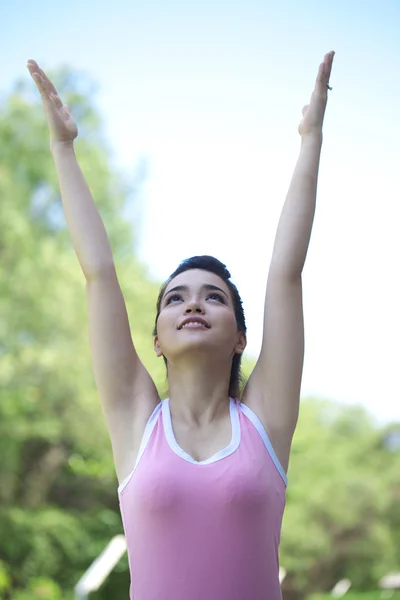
x: 199, y: 393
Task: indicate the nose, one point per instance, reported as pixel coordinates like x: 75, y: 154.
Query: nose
x: 194, y: 307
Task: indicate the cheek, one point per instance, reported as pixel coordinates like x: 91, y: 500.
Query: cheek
x: 165, y: 322
x: 228, y: 322
x: 160, y: 324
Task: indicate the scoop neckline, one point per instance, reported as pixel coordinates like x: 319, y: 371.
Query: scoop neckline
x: 220, y: 454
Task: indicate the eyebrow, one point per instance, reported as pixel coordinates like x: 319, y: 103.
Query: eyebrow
x: 205, y: 286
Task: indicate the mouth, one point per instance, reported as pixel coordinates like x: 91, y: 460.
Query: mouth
x: 194, y: 323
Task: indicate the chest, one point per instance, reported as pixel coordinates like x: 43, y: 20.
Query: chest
x: 223, y: 468
x: 240, y: 482
x: 201, y: 443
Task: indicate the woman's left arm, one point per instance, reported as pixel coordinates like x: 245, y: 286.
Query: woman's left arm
x: 274, y: 386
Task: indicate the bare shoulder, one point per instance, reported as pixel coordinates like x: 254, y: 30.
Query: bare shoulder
x: 126, y: 390
x: 279, y: 435
x: 273, y: 389
x: 126, y: 423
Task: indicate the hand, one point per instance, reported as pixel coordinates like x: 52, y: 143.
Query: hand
x: 62, y: 126
x: 313, y: 113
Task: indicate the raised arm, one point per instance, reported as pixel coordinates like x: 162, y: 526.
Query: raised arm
x: 127, y: 393
x: 273, y: 390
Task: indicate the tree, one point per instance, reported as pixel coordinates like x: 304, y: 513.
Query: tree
x: 58, y: 490
x: 59, y: 505
x: 339, y: 521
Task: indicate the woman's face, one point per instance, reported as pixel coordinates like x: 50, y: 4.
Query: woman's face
x: 197, y: 315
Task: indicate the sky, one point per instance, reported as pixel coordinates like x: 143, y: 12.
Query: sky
x: 209, y: 95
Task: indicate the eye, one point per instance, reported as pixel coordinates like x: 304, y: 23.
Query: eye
x: 173, y: 298
x: 216, y: 296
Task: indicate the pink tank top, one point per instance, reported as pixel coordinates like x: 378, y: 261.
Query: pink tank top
x: 206, y: 530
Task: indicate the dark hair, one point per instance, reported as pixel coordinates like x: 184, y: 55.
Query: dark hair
x: 211, y: 264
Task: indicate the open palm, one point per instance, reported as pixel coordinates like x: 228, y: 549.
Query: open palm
x: 313, y: 113
x: 61, y: 124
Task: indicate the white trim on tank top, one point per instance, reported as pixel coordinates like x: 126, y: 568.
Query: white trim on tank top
x: 264, y: 436
x: 151, y: 423
x: 232, y: 447
x: 173, y: 444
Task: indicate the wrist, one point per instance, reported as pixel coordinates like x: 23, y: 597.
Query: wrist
x: 312, y: 138
x: 57, y: 146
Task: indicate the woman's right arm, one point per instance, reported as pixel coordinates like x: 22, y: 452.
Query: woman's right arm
x: 127, y: 393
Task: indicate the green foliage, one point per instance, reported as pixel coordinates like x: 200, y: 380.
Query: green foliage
x: 39, y: 589
x: 58, y: 497
x: 350, y: 595
x: 338, y: 522
x: 5, y: 581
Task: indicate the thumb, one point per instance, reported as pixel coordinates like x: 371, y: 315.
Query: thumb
x: 66, y: 111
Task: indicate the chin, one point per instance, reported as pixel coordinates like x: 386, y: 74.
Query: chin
x: 198, y: 346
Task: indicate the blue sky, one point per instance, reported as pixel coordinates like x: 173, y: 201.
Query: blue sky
x: 210, y: 94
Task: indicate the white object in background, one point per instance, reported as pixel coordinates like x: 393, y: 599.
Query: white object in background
x: 101, y: 567
x: 341, y: 588
x: 390, y: 581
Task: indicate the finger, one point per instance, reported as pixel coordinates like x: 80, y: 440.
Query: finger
x: 34, y: 70
x: 49, y: 99
x: 327, y: 64
x: 324, y: 71
x: 320, y: 82
x: 49, y: 86
x: 46, y: 81
x: 305, y: 109
x: 32, y: 63
x: 66, y: 112
x: 55, y: 98
x: 328, y: 60
x: 46, y: 88
x: 40, y: 84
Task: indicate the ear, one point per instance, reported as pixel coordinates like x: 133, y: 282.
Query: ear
x: 241, y: 343
x: 157, y: 347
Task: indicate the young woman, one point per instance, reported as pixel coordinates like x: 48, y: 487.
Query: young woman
x: 202, y: 474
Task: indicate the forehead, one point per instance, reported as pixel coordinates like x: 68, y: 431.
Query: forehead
x: 195, y: 278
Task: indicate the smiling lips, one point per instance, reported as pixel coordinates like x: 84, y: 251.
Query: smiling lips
x: 194, y: 323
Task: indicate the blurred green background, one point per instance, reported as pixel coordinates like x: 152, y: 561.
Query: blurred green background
x: 58, y: 491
